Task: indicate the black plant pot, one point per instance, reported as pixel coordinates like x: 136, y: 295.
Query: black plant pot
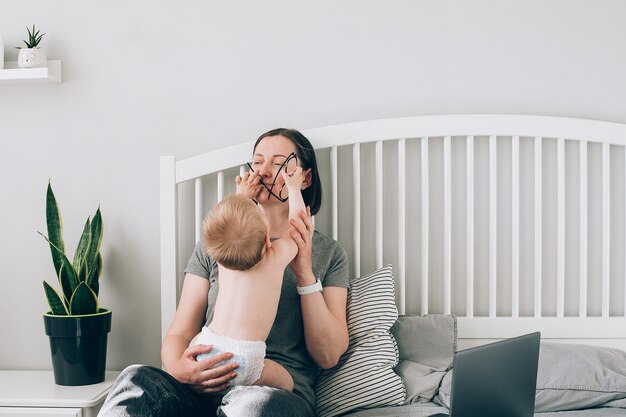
x: 78, y: 345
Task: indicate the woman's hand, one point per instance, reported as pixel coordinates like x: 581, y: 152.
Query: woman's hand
x: 249, y: 184
x: 302, y: 233
x: 204, y: 376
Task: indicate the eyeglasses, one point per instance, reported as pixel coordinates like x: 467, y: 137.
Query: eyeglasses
x: 289, y: 166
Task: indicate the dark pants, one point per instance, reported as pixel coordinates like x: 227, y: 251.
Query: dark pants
x: 147, y: 391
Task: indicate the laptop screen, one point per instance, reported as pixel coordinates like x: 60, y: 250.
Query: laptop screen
x: 496, y: 380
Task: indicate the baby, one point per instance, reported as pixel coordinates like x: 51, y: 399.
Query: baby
x: 251, y: 268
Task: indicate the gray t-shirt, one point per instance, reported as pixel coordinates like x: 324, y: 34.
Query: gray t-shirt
x: 285, y: 343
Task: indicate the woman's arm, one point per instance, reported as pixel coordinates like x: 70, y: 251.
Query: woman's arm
x: 179, y: 360
x: 323, y: 314
x: 325, y: 328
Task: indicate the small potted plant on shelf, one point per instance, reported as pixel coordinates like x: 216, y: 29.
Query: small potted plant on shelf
x: 32, y: 56
x: 76, y: 325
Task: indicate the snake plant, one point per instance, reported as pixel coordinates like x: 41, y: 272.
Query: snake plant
x: 78, y: 279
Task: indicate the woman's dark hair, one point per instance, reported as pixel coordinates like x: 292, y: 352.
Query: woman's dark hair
x: 312, y: 195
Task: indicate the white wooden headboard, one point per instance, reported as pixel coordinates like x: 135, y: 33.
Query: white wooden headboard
x: 513, y: 223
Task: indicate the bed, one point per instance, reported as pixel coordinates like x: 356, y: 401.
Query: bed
x: 498, y: 225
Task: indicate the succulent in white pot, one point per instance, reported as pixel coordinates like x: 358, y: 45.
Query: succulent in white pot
x: 32, y: 56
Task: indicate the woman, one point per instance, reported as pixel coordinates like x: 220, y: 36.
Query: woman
x: 309, y: 333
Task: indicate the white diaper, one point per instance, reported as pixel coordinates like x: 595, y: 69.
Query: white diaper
x: 250, y: 355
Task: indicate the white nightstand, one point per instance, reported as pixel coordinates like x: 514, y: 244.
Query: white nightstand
x: 34, y: 393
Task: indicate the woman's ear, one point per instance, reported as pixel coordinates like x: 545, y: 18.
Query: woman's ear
x: 306, y: 182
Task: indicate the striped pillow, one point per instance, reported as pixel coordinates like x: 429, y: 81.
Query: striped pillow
x: 364, y: 376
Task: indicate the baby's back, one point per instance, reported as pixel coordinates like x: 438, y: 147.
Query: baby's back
x: 247, y: 301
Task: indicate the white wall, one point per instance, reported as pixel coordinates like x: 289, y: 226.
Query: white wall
x: 144, y: 78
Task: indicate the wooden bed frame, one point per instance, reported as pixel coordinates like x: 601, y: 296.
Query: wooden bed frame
x: 513, y: 223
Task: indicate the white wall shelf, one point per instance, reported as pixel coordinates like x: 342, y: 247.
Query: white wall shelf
x: 12, y: 74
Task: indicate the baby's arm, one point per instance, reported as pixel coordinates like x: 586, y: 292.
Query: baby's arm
x: 248, y: 184
x: 293, y: 183
x: 285, y: 247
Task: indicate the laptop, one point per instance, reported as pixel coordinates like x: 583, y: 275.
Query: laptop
x: 496, y: 380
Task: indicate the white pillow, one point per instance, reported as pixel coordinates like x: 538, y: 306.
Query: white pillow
x: 364, y: 376
x: 427, y: 345
x: 573, y: 376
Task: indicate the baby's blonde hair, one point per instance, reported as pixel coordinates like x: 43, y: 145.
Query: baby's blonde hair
x: 234, y: 233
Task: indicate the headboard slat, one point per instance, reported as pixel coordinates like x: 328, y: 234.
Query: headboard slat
x: 582, y: 308
x: 356, y: 189
x: 220, y: 186
x: 447, y: 225
x: 560, y: 263
x: 379, y: 203
x: 199, y: 212
x: 538, y: 244
x: 493, y: 224
x: 515, y: 226
x: 425, y: 203
x: 334, y: 192
x: 401, y: 267
x: 469, y: 222
x: 606, y: 226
